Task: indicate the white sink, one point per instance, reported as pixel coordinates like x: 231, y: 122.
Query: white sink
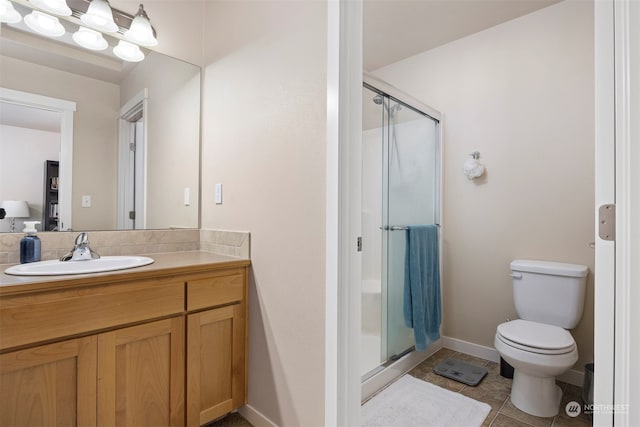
x: 57, y: 268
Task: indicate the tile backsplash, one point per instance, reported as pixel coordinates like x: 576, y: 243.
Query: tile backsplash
x: 132, y: 242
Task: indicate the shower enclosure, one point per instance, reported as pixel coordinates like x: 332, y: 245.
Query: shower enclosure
x: 400, y: 187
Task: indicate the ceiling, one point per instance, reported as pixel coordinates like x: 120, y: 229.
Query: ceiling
x: 397, y: 29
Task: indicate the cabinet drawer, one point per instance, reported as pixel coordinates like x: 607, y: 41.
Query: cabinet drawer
x: 224, y: 288
x: 32, y: 318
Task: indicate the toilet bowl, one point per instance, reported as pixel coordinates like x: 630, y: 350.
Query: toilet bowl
x: 549, y: 298
x: 538, y: 353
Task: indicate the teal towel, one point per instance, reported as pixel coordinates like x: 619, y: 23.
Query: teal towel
x: 422, y: 307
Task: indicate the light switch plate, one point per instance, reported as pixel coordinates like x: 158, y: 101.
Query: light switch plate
x: 218, y: 194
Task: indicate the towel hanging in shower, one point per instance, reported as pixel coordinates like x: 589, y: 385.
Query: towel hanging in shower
x: 422, y: 306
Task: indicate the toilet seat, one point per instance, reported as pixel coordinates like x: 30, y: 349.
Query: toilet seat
x: 535, y: 337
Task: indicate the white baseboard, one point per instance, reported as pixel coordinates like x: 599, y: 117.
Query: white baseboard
x: 477, y: 350
x: 488, y: 353
x: 255, y: 417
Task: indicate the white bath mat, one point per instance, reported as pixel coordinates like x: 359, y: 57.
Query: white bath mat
x: 410, y: 402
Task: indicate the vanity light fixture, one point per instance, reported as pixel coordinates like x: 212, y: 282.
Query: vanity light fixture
x: 90, y: 39
x: 44, y: 24
x: 57, y: 7
x: 100, y: 17
x: 140, y: 31
x: 128, y: 52
x: 8, y: 14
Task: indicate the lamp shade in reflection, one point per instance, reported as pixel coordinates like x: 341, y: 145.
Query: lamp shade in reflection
x: 8, y: 14
x: 128, y: 52
x: 90, y: 39
x: 44, y: 24
x: 16, y: 208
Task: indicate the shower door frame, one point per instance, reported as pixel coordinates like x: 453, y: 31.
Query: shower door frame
x: 393, y: 369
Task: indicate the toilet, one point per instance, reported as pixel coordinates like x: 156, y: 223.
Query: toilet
x: 549, y: 299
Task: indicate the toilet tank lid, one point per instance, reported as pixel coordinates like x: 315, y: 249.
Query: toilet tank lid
x: 549, y: 267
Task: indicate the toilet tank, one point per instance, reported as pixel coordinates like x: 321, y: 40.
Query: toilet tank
x: 549, y: 292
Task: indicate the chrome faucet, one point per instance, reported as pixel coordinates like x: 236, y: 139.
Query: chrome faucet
x: 81, y: 250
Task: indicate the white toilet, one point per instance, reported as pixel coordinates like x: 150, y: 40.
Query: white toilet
x: 549, y: 298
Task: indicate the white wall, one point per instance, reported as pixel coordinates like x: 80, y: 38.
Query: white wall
x: 22, y: 155
x: 264, y: 120
x: 521, y: 93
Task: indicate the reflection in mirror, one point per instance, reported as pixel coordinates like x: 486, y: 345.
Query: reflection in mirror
x: 132, y: 157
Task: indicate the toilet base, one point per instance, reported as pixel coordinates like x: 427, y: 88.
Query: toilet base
x: 535, y: 395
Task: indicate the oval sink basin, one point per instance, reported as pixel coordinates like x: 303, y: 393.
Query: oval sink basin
x: 57, y: 268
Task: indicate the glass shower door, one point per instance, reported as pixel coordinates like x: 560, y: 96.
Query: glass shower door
x: 410, y: 195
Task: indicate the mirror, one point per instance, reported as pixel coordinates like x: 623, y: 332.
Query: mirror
x: 68, y: 119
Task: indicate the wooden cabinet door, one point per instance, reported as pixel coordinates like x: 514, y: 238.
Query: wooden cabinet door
x: 141, y: 375
x: 50, y: 385
x: 216, y: 369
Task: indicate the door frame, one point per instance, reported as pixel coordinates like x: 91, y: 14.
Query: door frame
x: 127, y: 183
x: 66, y: 109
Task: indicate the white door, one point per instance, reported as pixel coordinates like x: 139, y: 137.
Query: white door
x: 617, y: 298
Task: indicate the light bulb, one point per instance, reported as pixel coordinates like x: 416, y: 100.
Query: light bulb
x: 128, y: 52
x: 44, y: 24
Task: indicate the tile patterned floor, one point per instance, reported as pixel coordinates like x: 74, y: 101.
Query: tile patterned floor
x: 493, y: 390
x: 232, y: 420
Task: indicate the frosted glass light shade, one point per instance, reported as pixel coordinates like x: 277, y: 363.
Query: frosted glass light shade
x: 57, y: 7
x: 128, y: 52
x: 44, y: 24
x: 100, y: 17
x: 141, y: 32
x: 8, y: 14
x: 90, y: 39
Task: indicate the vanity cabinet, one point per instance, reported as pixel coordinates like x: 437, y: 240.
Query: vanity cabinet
x: 141, y: 375
x: 50, y: 385
x: 163, y: 349
x: 216, y: 342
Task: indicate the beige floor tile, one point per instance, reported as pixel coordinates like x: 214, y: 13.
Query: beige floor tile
x: 492, y: 415
x: 504, y: 421
x: 487, y: 394
x: 510, y: 410
x: 231, y: 420
x: 571, y: 422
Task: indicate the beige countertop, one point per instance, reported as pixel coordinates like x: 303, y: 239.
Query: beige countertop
x: 166, y: 263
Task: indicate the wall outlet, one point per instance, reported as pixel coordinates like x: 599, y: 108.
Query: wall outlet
x: 86, y: 201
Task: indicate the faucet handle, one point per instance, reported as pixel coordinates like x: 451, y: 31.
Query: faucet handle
x: 82, y: 239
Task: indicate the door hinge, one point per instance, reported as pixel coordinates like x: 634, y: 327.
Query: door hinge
x: 607, y: 222
x: 359, y: 244
x: 132, y: 146
x: 132, y: 215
